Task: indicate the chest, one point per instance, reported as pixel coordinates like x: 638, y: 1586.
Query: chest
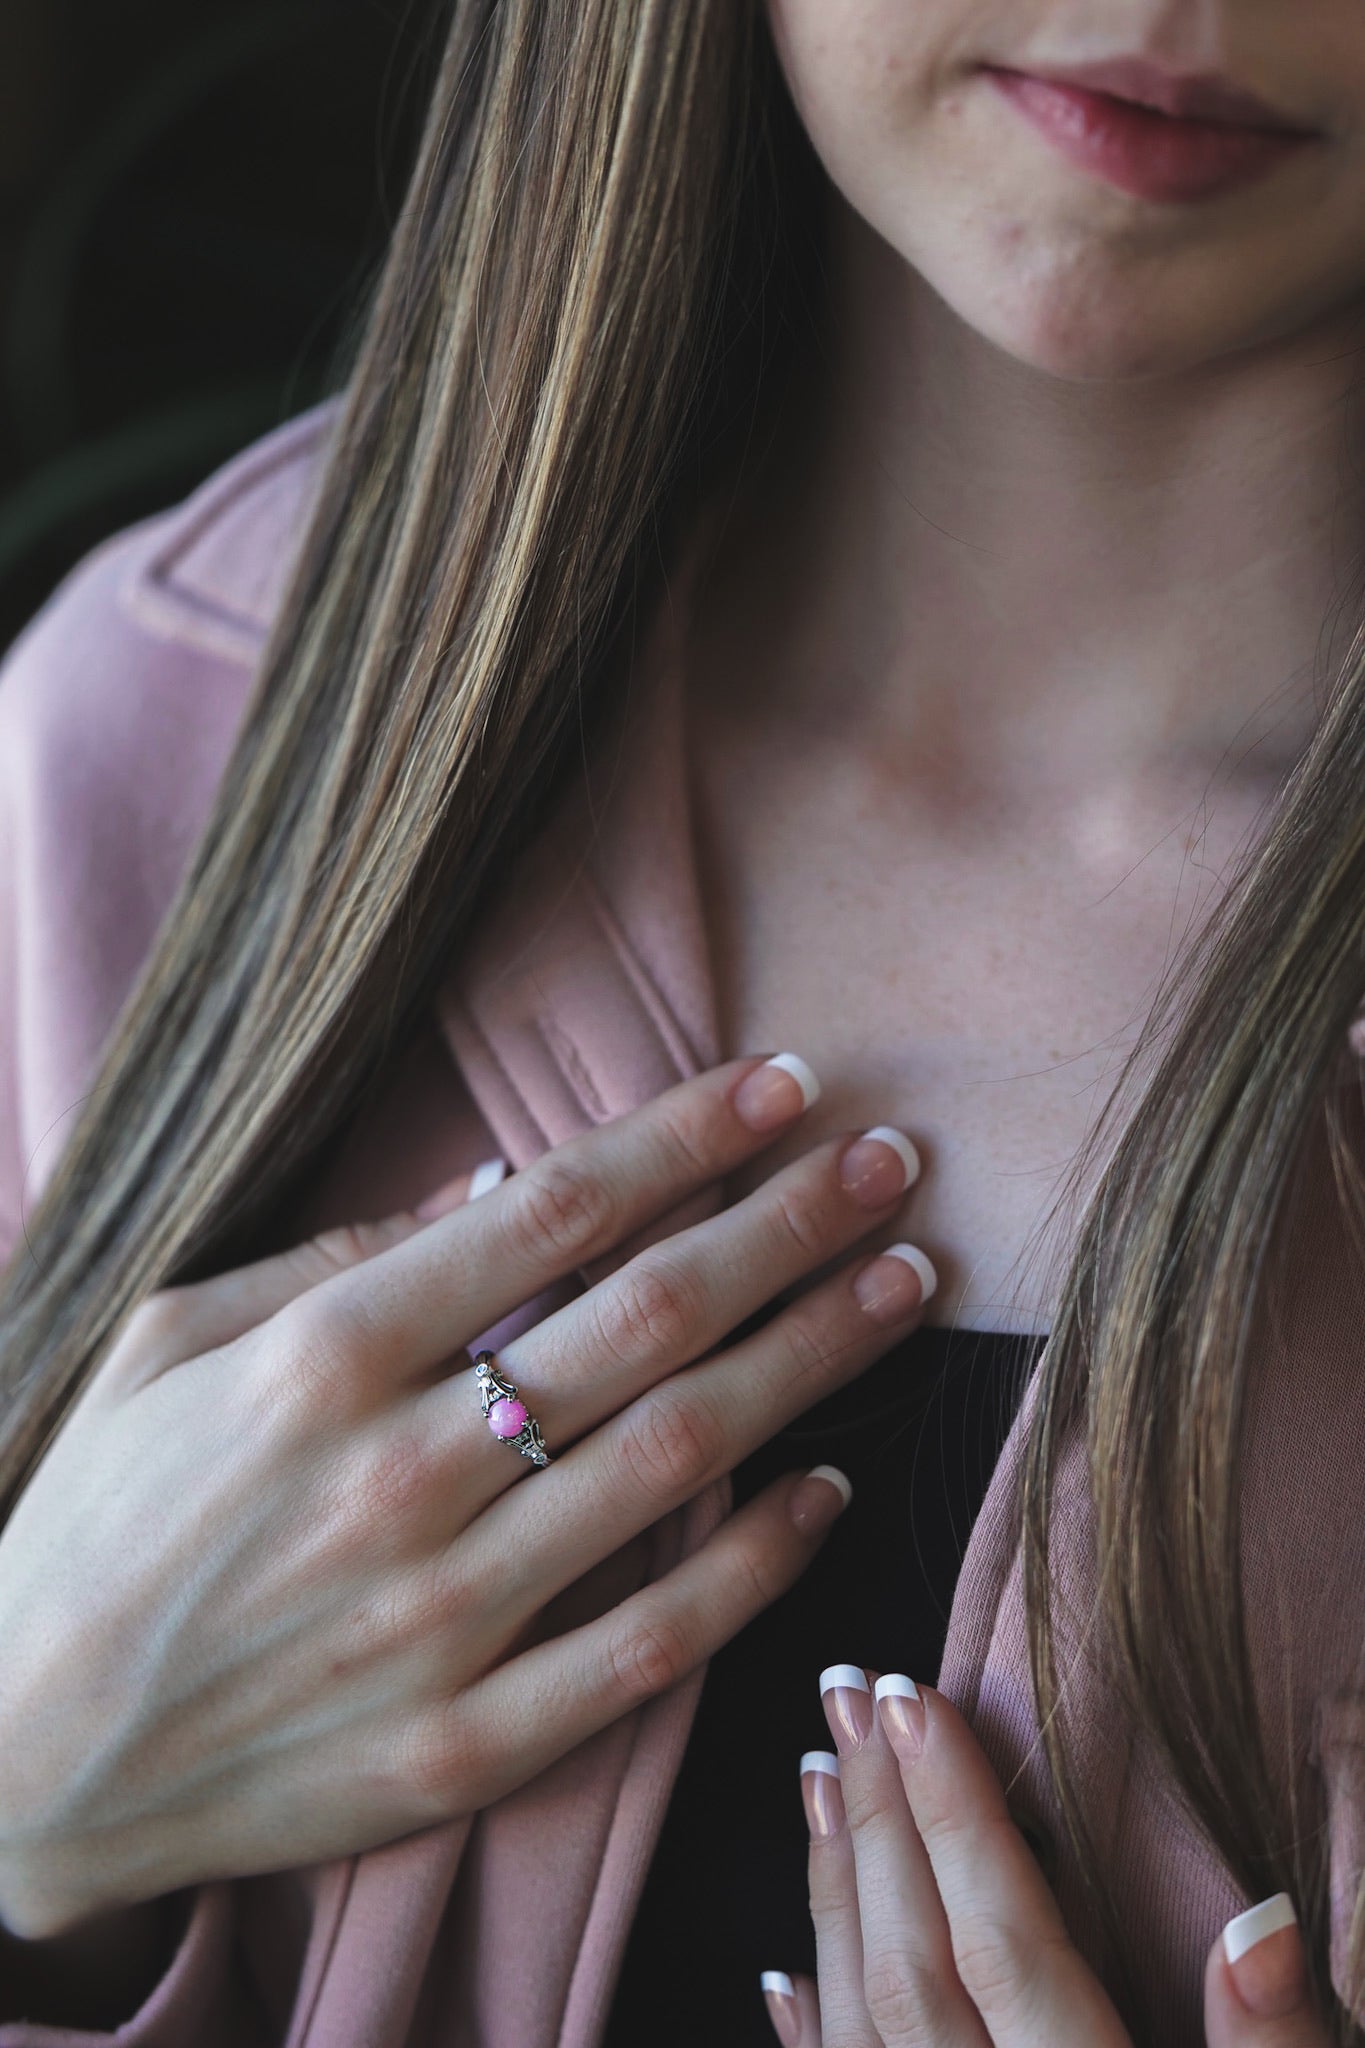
x: 973, y: 974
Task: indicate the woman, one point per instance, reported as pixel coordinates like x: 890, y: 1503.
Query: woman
x: 826, y: 541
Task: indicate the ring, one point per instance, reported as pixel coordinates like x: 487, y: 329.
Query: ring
x: 505, y: 1415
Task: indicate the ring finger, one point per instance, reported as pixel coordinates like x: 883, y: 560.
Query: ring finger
x: 670, y: 1305
x: 673, y: 1440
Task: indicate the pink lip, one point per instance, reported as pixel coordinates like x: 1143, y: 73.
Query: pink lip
x: 1195, y: 97
x: 1158, y: 155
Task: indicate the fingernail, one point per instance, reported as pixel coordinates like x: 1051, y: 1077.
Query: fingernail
x: 452, y: 1194
x: 1265, y: 1958
x: 779, y: 1995
x: 884, y: 1286
x: 489, y: 1175
x: 775, y: 1092
x: 821, y: 1793
x: 848, y: 1706
x: 820, y: 1499
x: 878, y: 1166
x: 901, y: 1711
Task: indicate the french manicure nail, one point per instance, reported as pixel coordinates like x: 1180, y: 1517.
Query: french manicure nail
x: 820, y: 1499
x: 847, y: 1703
x: 453, y: 1193
x: 884, y: 1287
x: 776, y: 1092
x: 879, y: 1166
x: 486, y: 1176
x: 1265, y: 1958
x: 901, y: 1711
x: 780, y: 1996
x: 821, y: 1793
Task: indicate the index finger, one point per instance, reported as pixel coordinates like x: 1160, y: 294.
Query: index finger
x: 1013, y: 1954
x: 433, y: 1293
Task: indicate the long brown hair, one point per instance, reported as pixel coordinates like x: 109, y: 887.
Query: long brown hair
x: 583, y: 312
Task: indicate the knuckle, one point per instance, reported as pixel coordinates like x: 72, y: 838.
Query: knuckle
x: 672, y: 1443
x: 998, y: 1967
x: 158, y: 1334
x: 648, y: 1655
x: 442, y: 1759
x: 684, y: 1133
x: 346, y: 1245
x: 802, y: 1219
x: 313, y: 1356
x: 647, y: 1311
x: 757, y: 1577
x: 559, y: 1210
x: 876, y: 1806
x: 395, y: 1484
x: 810, y: 1345
x: 904, y: 2002
x: 438, y: 1605
x: 157, y: 1322
x: 832, y: 1908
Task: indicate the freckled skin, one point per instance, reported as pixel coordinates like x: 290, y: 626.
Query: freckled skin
x: 1094, y: 283
x: 1011, y: 644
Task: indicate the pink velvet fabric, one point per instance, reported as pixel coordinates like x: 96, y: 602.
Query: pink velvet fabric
x: 585, y: 991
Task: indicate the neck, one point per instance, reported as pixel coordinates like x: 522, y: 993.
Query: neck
x: 1032, y: 586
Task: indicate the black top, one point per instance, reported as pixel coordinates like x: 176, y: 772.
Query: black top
x: 919, y: 1435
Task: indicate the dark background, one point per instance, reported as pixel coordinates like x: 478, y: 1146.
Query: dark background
x: 193, y: 201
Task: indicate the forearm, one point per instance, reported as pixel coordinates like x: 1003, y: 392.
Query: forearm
x: 96, y: 1975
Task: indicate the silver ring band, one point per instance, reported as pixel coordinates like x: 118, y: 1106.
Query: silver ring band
x: 506, y: 1415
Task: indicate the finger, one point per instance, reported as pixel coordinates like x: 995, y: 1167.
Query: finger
x: 488, y: 1738
x: 793, y: 2007
x: 253, y: 1293
x: 416, y: 1305
x: 668, y: 1444
x: 1010, y: 1944
x: 910, y: 1983
x: 670, y: 1304
x: 845, y: 2021
x: 180, y: 1323
x: 1256, y: 1988
x: 679, y: 1299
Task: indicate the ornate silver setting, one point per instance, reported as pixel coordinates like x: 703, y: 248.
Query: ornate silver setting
x: 494, y: 1387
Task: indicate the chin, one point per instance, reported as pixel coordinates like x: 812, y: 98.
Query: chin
x: 1089, y: 321
x: 1093, y: 343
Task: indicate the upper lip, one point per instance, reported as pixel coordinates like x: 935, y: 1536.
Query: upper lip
x: 1201, y: 96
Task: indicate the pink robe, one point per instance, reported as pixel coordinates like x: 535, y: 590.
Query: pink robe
x: 587, y: 989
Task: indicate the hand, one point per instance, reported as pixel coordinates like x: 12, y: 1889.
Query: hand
x: 934, y: 1925
x: 271, y: 1595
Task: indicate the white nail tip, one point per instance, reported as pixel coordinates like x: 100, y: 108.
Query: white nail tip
x: 835, y: 1477
x: 822, y: 1760
x: 887, y: 1134
x: 895, y: 1685
x: 842, y: 1674
x: 922, y: 1263
x: 778, y: 1981
x: 489, y: 1175
x: 804, y: 1077
x: 1248, y: 1928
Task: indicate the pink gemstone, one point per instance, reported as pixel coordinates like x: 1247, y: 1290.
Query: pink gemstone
x: 507, y: 1418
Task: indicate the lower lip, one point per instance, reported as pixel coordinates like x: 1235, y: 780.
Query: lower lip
x: 1140, y: 150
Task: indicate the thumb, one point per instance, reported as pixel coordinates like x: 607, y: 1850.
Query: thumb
x: 1256, y: 1987
x: 179, y: 1323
